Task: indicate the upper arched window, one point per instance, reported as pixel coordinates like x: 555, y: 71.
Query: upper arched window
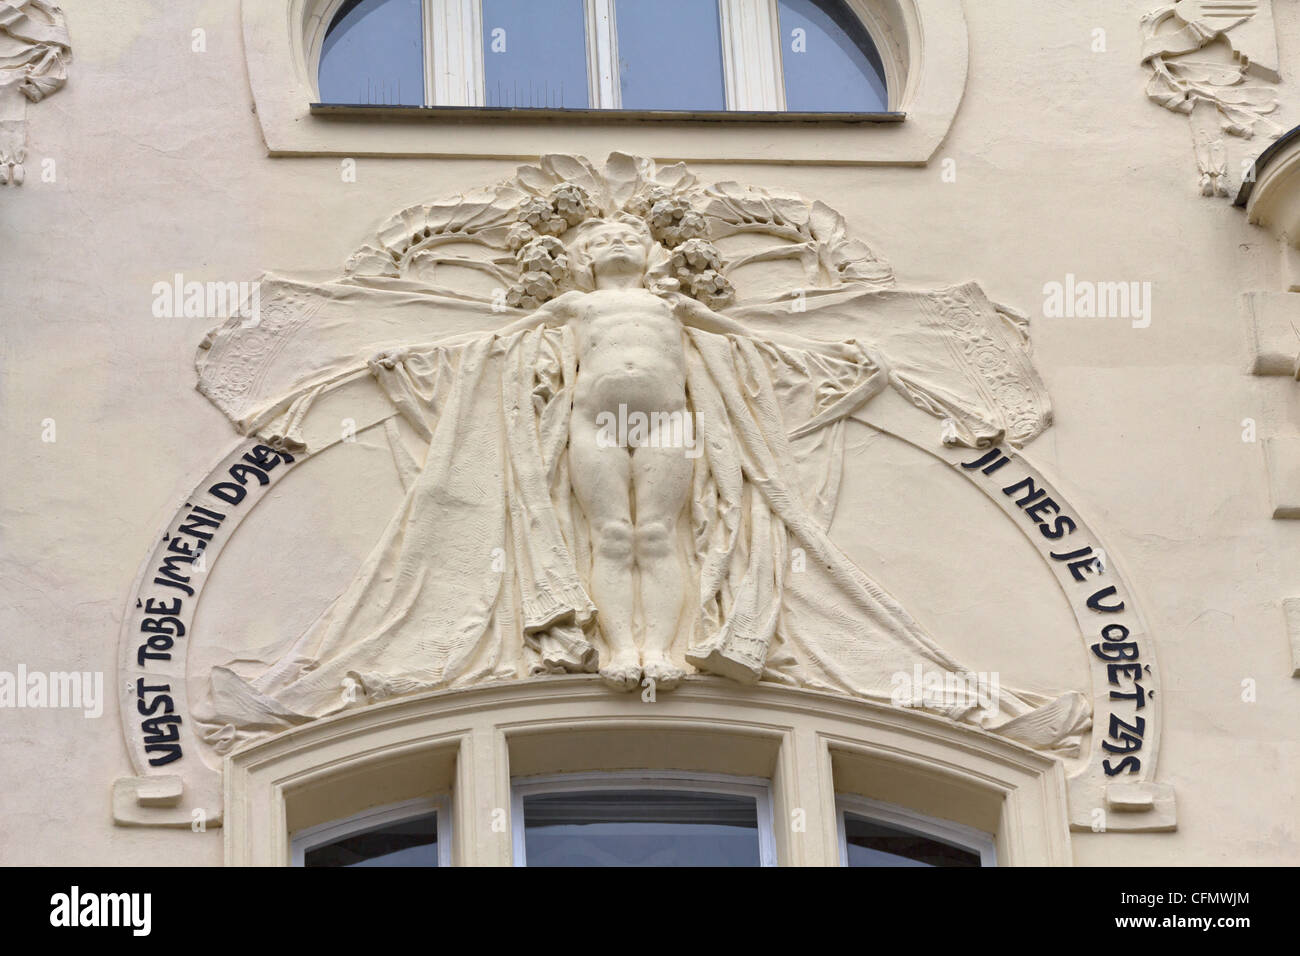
x: 801, y: 56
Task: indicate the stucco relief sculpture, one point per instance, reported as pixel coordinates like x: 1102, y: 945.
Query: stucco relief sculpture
x: 34, y: 55
x: 1200, y: 54
x: 621, y: 443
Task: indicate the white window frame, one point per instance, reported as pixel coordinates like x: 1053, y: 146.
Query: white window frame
x: 753, y: 76
x: 942, y: 831
x: 757, y: 787
x: 453, y: 52
x: 373, y: 819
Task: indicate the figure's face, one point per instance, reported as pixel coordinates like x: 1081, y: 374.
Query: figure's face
x: 616, y: 247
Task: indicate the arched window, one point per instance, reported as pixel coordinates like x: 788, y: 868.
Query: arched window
x: 696, y: 56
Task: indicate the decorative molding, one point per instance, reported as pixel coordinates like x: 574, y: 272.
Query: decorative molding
x: 1272, y: 200
x: 34, y: 55
x: 790, y: 736
x: 1214, y: 95
x: 168, y: 800
x: 1274, y: 322
x: 1282, y: 460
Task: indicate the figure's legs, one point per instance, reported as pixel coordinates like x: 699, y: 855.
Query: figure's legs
x: 601, y: 480
x: 661, y: 481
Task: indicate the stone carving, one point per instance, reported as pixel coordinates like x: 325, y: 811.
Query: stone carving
x: 1212, y: 89
x: 629, y: 392
x: 34, y: 56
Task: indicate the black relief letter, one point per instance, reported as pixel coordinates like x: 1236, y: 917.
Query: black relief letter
x: 1130, y: 735
x: 1071, y: 555
x: 1139, y: 696
x: 169, y: 753
x: 980, y: 463
x: 1124, y: 652
x: 1059, y: 528
x: 1035, y: 511
x: 1094, y: 602
x: 241, y: 472
x: 1131, y: 764
x: 228, y: 492
x: 1032, y: 494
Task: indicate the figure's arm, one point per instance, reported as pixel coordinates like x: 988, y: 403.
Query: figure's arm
x: 557, y: 311
x: 697, y: 315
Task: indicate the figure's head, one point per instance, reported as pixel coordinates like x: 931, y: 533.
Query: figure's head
x: 611, y: 248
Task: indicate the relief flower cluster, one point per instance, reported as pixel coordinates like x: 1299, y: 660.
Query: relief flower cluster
x: 543, y: 261
x: 695, y: 262
x: 697, y: 265
x: 671, y: 218
x: 544, y: 266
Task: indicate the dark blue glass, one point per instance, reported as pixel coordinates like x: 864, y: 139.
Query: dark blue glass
x: 412, y: 842
x: 871, y: 843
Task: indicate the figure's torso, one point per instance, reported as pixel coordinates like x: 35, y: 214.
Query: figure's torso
x: 629, y: 346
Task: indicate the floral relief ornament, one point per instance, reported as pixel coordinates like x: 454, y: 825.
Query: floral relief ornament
x: 537, y: 238
x: 627, y: 286
x: 34, y: 55
x: 1213, y: 92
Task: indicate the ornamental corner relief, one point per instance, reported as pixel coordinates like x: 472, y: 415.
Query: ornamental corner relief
x: 1205, y: 58
x: 34, y: 56
x: 619, y: 455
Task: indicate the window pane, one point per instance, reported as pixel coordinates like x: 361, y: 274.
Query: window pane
x: 830, y: 61
x: 874, y: 844
x: 670, y: 55
x: 640, y: 828
x: 374, y: 54
x: 535, y: 53
x: 412, y: 842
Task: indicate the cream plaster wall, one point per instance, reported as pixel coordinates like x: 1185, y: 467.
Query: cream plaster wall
x: 1063, y: 166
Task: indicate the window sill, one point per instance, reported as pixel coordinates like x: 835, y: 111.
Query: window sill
x: 512, y: 114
